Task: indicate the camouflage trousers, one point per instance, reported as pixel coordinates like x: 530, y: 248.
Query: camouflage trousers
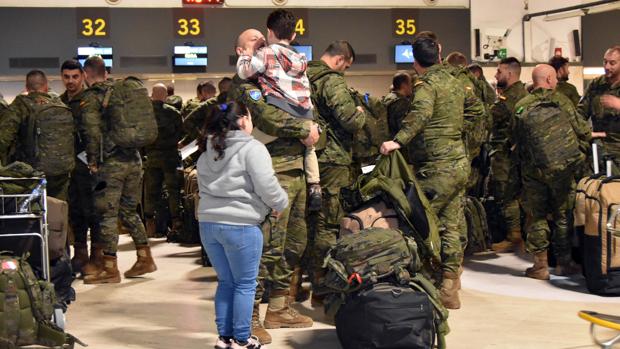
x: 284, y: 238
x: 504, y: 186
x: 58, y: 186
x: 157, y: 173
x: 544, y: 198
x: 445, y: 186
x: 325, y: 224
x: 82, y: 205
x: 117, y: 193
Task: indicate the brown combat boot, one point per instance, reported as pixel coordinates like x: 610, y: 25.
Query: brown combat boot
x: 96, y: 260
x: 540, y: 269
x: 513, y: 243
x: 80, y: 256
x: 108, y: 274
x: 257, y: 328
x: 144, y: 264
x: 449, y: 292
x: 566, y: 268
x: 280, y: 314
x: 151, y: 227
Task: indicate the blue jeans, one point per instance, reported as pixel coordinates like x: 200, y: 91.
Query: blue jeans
x: 235, y: 252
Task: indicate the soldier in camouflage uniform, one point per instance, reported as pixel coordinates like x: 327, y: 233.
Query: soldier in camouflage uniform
x: 81, y: 200
x: 204, y: 91
x: 285, y: 237
x: 601, y: 104
x: 398, y: 102
x: 488, y: 93
x: 172, y: 99
x: 443, y: 167
x: 162, y: 160
x: 560, y: 64
x: 14, y: 125
x: 505, y: 180
x: 544, y: 192
x: 119, y: 181
x: 340, y: 119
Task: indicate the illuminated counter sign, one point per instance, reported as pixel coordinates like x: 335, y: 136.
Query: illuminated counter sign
x: 190, y: 56
x: 87, y: 51
x: 202, y: 2
x: 305, y: 50
x: 403, y: 54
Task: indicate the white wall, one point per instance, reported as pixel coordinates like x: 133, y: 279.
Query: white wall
x: 541, y: 37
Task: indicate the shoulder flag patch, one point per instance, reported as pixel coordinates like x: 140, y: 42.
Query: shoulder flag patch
x: 520, y: 110
x: 256, y: 95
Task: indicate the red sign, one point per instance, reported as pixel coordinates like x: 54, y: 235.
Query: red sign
x: 558, y: 52
x: 203, y: 2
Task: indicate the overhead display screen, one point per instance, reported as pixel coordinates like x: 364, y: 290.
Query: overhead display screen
x: 403, y: 54
x: 190, y: 56
x: 87, y: 51
x: 305, y: 50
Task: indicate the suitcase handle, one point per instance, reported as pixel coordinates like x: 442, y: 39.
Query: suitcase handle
x: 610, y: 179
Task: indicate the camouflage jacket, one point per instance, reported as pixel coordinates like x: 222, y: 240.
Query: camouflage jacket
x: 603, y: 119
x: 437, y: 114
x: 337, y: 113
x: 581, y: 128
x: 175, y: 101
x: 169, y: 128
x: 94, y: 125
x: 189, y: 106
x: 502, y: 112
x: 488, y: 93
x: 194, y: 122
x: 13, y: 124
x: 287, y: 152
x: 397, y: 107
x: 74, y: 104
x: 476, y: 119
x: 569, y: 90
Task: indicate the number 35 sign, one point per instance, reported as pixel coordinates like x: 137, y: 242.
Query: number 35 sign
x: 404, y: 23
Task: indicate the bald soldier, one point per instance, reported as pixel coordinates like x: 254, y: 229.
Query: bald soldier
x: 285, y: 236
x: 548, y: 156
x: 162, y: 160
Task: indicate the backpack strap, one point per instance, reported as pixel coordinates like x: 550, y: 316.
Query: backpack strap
x: 358, y: 220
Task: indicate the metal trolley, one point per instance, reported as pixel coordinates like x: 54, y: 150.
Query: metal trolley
x: 23, y: 218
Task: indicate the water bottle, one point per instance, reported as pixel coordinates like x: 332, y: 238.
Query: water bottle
x: 36, y: 192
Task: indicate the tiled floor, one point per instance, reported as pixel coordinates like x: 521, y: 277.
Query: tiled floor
x: 173, y: 308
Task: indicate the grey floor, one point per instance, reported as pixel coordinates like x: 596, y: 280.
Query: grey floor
x: 173, y: 308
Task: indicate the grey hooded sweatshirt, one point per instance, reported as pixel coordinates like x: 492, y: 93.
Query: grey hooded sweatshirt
x: 241, y: 188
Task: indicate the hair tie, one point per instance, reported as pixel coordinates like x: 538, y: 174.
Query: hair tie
x: 223, y: 107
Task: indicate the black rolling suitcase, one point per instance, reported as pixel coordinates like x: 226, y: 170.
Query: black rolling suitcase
x: 386, y: 316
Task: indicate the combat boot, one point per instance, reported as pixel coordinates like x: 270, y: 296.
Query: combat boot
x: 566, y: 268
x: 80, y: 256
x: 151, y: 227
x: 144, y: 264
x: 540, y: 269
x: 257, y: 328
x: 449, y: 292
x: 96, y: 260
x: 281, y: 315
x: 512, y: 243
x: 108, y: 274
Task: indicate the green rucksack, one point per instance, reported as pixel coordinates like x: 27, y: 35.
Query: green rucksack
x: 49, y: 136
x: 478, y: 238
x: 26, y: 308
x: 546, y: 137
x: 362, y: 259
x: 368, y: 140
x: 130, y: 116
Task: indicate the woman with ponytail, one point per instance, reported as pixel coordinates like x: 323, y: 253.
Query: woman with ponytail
x: 238, y: 190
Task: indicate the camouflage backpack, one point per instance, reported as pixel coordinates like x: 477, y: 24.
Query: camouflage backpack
x: 26, y: 308
x: 49, y: 136
x: 478, y: 238
x: 546, y: 137
x: 368, y: 140
x: 359, y: 260
x: 130, y: 116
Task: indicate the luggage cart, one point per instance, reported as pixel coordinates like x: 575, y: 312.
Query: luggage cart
x: 25, y: 216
